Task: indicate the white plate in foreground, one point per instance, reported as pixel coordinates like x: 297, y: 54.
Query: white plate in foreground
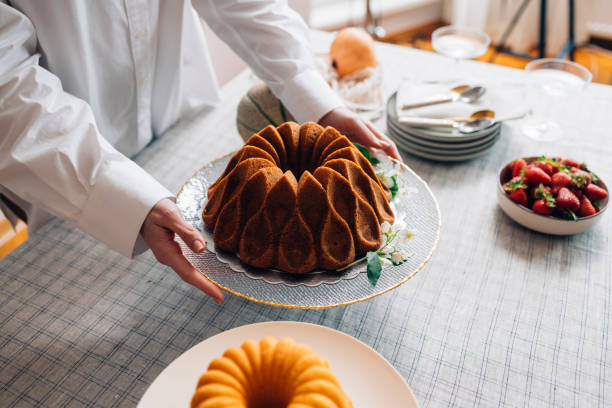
x: 366, y: 377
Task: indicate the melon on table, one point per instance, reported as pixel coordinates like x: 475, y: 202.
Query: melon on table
x: 352, y: 50
x: 258, y: 109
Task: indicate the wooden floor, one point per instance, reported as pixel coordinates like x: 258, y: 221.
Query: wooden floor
x: 596, y: 59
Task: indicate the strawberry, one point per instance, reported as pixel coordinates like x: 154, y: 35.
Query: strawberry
x: 570, y: 163
x: 540, y: 191
x: 556, y: 164
x: 559, y: 180
x: 586, y: 208
x: 544, y: 202
x: 594, y: 192
x: 515, y: 183
x: 535, y: 175
x: 547, y: 167
x: 580, y: 178
x: 519, y: 196
x: 541, y: 207
x: 566, y: 200
x: 517, y: 166
x: 577, y: 193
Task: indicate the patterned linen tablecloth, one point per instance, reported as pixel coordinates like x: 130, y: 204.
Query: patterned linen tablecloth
x: 501, y: 316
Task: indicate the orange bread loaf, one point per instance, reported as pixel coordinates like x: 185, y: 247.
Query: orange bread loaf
x: 269, y: 374
x: 298, y: 198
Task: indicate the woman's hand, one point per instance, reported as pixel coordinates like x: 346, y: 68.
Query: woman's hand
x: 158, y: 229
x: 360, y: 131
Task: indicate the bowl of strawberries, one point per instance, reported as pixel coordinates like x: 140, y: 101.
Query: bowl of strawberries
x: 551, y: 194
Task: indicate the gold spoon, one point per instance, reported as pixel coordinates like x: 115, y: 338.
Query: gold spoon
x: 462, y: 93
x: 485, y: 113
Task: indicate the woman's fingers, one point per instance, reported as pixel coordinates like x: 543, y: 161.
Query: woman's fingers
x: 169, y: 253
x: 170, y: 217
x: 188, y: 234
x: 360, y: 131
x: 159, y: 229
x: 390, y: 148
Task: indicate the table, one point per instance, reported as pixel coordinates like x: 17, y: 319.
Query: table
x: 501, y: 316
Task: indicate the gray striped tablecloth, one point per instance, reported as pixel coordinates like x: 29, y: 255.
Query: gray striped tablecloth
x: 501, y: 316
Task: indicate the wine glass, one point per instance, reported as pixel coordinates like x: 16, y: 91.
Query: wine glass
x: 460, y: 42
x: 551, y: 82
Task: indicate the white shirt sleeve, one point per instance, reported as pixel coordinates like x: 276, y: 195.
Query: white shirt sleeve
x: 274, y: 41
x: 52, y: 155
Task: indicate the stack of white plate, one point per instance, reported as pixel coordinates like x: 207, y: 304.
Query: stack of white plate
x: 437, y: 143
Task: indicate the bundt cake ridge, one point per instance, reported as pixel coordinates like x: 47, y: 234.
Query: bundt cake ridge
x: 297, y: 198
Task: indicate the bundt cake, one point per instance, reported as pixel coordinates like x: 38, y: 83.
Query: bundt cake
x: 298, y: 198
x: 269, y: 374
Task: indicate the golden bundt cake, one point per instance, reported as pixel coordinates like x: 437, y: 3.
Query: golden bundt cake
x: 298, y: 198
x: 269, y: 374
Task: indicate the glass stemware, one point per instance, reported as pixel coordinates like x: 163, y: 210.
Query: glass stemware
x: 551, y: 83
x: 460, y: 42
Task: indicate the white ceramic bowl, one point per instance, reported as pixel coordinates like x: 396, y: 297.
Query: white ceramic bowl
x: 542, y: 223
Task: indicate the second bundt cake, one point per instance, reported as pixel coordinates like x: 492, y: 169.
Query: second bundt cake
x: 269, y: 374
x: 298, y: 198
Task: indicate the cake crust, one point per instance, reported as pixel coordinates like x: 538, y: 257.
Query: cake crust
x: 298, y: 198
x: 272, y: 374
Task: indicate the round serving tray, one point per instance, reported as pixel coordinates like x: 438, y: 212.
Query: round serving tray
x: 318, y: 289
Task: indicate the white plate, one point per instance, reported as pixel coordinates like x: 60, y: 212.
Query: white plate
x: 441, y: 145
x: 313, y: 290
x: 436, y: 134
x: 446, y: 153
x: 488, y: 142
x: 439, y: 157
x: 366, y: 377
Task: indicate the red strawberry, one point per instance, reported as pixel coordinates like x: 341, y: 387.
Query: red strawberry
x: 570, y: 163
x: 517, y: 166
x: 547, y: 167
x: 519, y: 196
x: 541, y: 207
x: 577, y: 193
x: 540, y: 192
x: 566, y: 200
x: 515, y: 183
x: 586, y: 208
x: 544, y: 202
x: 594, y: 192
x: 535, y: 175
x: 559, y: 180
x: 580, y: 178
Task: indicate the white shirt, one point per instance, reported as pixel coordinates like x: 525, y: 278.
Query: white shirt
x: 85, y: 84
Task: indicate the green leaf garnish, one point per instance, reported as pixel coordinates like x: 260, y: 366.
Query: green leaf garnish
x: 394, y: 188
x: 569, y: 214
x: 374, y: 267
x: 596, y: 203
x: 366, y: 153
